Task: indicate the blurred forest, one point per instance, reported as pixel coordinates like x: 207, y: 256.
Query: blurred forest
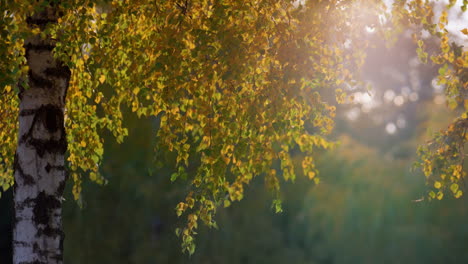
x: 367, y: 207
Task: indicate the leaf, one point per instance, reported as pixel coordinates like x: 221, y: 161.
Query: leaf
x: 102, y: 78
x: 174, y: 176
x: 99, y: 151
x: 95, y: 159
x: 191, y: 248
x: 311, y: 174
x: 464, y: 31
x: 277, y: 206
x: 454, y: 188
x: 443, y: 69
x: 440, y: 195
x: 452, y: 104
x: 420, y: 43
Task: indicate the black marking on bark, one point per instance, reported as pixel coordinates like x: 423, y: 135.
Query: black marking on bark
x: 52, y: 119
x: 17, y: 219
x: 38, y: 47
x: 21, y: 90
x: 61, y: 71
x: 43, y: 208
x: 33, y: 262
x: 62, y: 238
x: 41, y: 22
x: 26, y: 202
x: 38, y: 251
x: 50, y: 146
x: 66, y: 90
x: 21, y: 243
x: 38, y: 81
x: 58, y: 257
x: 61, y: 187
x: 24, y: 138
x: 27, y: 179
x: 27, y: 112
x: 49, y: 167
x: 49, y: 232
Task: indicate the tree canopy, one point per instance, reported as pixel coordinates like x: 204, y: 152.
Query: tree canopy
x: 234, y: 86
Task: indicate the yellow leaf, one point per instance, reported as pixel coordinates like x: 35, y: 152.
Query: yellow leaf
x: 317, y: 180
x: 36, y: 31
x: 311, y: 174
x: 440, y: 195
x: 454, y: 188
x: 8, y: 88
x: 83, y: 144
x: 464, y: 31
x: 437, y: 185
x: 102, y: 79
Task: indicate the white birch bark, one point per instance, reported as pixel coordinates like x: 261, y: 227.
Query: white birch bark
x: 39, y: 162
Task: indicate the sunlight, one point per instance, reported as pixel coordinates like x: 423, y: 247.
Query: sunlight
x: 399, y: 100
x: 413, y: 97
x: 390, y: 128
x: 439, y: 99
x: 399, y: 85
x: 401, y: 122
x: 389, y: 95
x: 353, y: 114
x: 438, y: 88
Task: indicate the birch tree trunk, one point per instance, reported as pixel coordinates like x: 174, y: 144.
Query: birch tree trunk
x: 39, y: 162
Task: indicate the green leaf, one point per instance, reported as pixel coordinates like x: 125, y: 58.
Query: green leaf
x: 454, y: 188
x: 277, y: 205
x: 174, y: 176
